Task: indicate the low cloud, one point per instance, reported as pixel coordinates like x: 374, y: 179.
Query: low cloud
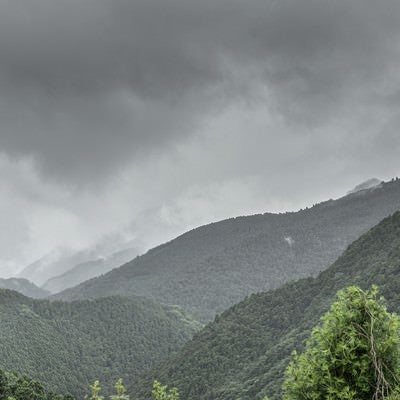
x: 113, y: 113
x: 88, y: 87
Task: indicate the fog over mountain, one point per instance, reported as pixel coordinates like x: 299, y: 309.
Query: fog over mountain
x: 147, y: 118
x: 87, y: 270
x: 208, y: 269
x: 24, y: 287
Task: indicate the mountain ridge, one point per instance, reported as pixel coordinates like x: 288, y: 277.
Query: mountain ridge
x: 87, y: 270
x: 209, y: 268
x: 24, y: 286
x: 245, y: 350
x: 369, y: 184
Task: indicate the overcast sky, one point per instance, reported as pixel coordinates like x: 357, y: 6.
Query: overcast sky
x: 140, y: 119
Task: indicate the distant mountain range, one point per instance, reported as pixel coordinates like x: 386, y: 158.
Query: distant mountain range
x: 55, y: 263
x: 244, y: 352
x: 23, y: 286
x: 107, y: 252
x: 87, y: 270
x: 212, y: 267
x: 69, y: 345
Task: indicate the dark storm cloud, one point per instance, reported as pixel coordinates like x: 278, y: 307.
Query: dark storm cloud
x: 87, y: 85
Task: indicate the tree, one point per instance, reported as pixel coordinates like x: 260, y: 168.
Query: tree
x: 120, y: 389
x: 353, y: 354
x: 161, y: 392
x: 3, y: 386
x: 27, y: 389
x: 95, y: 389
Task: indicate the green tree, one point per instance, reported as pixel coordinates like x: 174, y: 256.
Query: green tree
x: 120, y: 389
x: 95, y: 389
x: 27, y: 389
x: 161, y: 392
x: 3, y: 386
x: 353, y: 354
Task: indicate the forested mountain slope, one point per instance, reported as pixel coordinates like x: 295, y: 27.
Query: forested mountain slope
x: 24, y: 287
x: 69, y: 345
x: 212, y: 267
x: 244, y: 352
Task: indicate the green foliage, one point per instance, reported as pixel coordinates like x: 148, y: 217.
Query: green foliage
x: 395, y: 395
x: 69, y: 345
x: 161, y: 392
x: 15, y: 387
x: 95, y: 390
x: 120, y: 389
x: 210, y: 268
x: 355, y: 354
x: 245, y: 351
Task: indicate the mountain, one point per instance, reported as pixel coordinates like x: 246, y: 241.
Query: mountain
x: 24, y: 287
x: 55, y: 263
x: 367, y: 185
x: 118, y: 246
x: 88, y: 270
x: 212, y: 267
x: 69, y: 345
x: 244, y: 352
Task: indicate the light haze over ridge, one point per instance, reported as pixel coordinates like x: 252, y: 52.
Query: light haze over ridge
x: 133, y: 121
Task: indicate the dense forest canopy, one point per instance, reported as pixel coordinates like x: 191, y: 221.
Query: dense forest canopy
x: 69, y: 345
x: 244, y: 352
x: 17, y: 387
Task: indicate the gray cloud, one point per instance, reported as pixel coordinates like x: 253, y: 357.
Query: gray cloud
x: 149, y: 117
x: 88, y: 86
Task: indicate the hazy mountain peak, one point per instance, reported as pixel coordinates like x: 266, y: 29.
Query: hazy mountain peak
x: 24, y: 287
x: 368, y: 184
x: 89, y: 269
